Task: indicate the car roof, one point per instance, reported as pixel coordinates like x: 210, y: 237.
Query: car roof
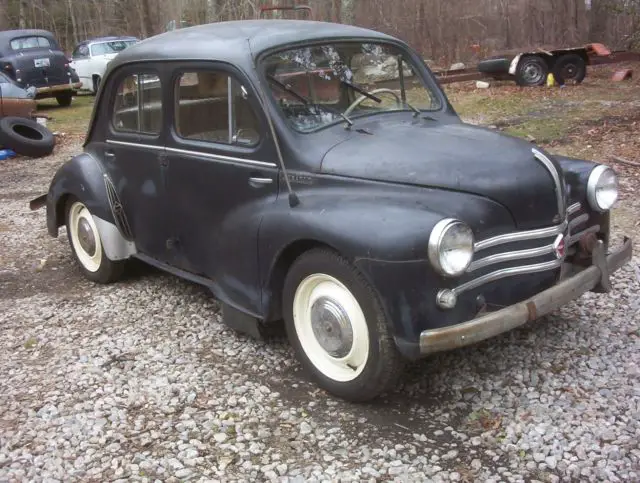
x: 228, y: 41
x: 112, y: 38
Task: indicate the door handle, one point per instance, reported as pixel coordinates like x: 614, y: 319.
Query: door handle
x: 258, y: 182
x: 109, y: 154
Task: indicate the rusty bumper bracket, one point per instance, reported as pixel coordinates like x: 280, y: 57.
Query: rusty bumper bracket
x: 590, y: 279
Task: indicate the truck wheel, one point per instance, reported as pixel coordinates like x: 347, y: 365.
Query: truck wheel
x: 86, y: 245
x: 64, y: 99
x: 337, y: 327
x: 571, y: 68
x: 532, y: 71
x: 26, y: 137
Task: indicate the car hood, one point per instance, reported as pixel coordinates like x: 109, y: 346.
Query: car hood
x: 453, y: 156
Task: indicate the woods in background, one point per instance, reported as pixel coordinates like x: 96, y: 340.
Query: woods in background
x: 443, y: 30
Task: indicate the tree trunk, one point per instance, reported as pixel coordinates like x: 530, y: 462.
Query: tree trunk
x: 74, y: 27
x: 4, y: 15
x: 348, y: 11
x: 22, y: 15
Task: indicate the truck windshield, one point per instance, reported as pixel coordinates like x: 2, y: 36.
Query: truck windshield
x: 324, y: 83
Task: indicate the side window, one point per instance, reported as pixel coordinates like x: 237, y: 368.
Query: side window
x: 138, y: 104
x: 79, y: 52
x: 213, y: 106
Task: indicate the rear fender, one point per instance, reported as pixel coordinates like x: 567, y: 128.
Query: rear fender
x: 83, y: 178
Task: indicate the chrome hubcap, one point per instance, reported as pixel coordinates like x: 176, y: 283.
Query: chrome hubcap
x: 86, y: 237
x: 331, y: 327
x: 532, y: 73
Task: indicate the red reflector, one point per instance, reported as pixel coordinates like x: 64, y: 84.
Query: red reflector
x: 559, y: 246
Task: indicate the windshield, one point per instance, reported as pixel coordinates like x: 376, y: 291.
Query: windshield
x: 319, y: 85
x: 112, y: 47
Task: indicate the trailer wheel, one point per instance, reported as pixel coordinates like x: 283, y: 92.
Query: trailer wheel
x: 571, y: 68
x: 532, y: 71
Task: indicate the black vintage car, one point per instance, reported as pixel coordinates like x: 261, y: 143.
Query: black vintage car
x: 316, y: 173
x: 33, y: 58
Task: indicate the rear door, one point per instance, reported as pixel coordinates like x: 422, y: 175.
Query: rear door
x: 39, y: 60
x: 134, y: 155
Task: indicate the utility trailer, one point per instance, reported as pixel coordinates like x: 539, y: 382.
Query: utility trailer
x: 532, y: 68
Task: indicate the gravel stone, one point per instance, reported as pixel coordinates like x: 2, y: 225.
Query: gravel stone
x: 141, y: 381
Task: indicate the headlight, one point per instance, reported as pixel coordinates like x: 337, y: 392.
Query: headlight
x: 451, y: 247
x: 602, y: 188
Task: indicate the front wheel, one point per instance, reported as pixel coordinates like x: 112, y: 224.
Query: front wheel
x: 86, y: 245
x: 337, y: 327
x: 532, y: 71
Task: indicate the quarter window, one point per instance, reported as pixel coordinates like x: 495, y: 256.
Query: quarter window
x: 213, y: 106
x: 138, y: 104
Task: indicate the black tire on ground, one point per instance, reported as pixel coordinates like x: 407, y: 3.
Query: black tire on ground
x: 65, y: 99
x: 96, y: 84
x: 570, y: 68
x: 93, y: 264
x: 532, y: 71
x: 26, y: 137
x: 382, y: 364
x: 496, y: 65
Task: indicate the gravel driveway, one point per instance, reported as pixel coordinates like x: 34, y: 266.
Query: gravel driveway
x: 141, y: 381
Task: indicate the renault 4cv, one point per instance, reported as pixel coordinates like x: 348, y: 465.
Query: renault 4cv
x: 316, y: 173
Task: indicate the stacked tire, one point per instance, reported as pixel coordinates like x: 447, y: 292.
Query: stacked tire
x: 26, y: 137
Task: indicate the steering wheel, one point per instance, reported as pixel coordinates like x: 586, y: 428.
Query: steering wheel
x: 361, y: 99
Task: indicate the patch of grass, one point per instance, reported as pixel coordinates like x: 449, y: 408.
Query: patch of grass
x: 545, y: 130
x: 71, y: 120
x: 30, y: 343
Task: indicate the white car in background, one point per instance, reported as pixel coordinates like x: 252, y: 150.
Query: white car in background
x: 90, y: 58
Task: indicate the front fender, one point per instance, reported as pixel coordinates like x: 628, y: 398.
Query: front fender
x: 384, y: 230
x: 576, y: 173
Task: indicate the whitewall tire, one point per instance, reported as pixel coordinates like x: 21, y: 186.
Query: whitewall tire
x: 86, y: 245
x: 337, y: 327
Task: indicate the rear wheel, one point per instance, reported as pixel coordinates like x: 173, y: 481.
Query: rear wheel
x: 570, y: 68
x: 337, y: 327
x: 532, y: 71
x: 86, y: 245
x: 65, y: 99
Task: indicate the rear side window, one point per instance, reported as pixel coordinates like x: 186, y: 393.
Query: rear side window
x: 138, y: 104
x: 33, y: 42
x: 212, y: 106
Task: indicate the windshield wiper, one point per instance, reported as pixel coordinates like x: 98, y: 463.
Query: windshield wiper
x: 308, y: 102
x: 361, y: 91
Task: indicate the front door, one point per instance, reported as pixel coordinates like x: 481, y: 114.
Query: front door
x: 221, y: 176
x: 134, y: 156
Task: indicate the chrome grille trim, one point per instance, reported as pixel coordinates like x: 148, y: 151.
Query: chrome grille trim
x: 556, y: 180
x: 508, y: 256
x: 507, y: 272
x: 520, y: 236
x: 578, y: 220
x: 575, y: 237
x: 574, y: 208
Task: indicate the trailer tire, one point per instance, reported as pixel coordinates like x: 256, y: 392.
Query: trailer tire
x: 570, y: 68
x: 26, y: 137
x: 532, y: 71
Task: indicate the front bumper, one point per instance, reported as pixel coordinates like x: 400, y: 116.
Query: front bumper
x: 495, y: 323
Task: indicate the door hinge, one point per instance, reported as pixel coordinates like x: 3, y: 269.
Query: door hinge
x: 164, y: 160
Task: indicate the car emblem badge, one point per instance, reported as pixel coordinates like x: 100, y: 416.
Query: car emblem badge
x: 559, y: 246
